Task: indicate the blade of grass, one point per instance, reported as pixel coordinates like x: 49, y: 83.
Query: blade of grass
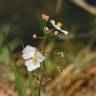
x: 19, y: 83
x: 18, y: 79
x: 31, y: 83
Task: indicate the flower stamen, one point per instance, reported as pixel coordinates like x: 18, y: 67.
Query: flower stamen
x: 34, y: 58
x: 59, y: 24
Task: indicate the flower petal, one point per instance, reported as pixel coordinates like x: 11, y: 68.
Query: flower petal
x: 58, y: 28
x: 54, y: 25
x: 52, y: 22
x: 39, y: 56
x: 28, y: 52
x: 65, y: 32
x: 32, y: 65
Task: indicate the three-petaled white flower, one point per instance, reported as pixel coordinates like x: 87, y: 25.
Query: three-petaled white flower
x: 33, y: 58
x: 58, y: 26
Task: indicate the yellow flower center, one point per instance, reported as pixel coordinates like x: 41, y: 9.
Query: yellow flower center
x: 59, y: 24
x: 34, y: 57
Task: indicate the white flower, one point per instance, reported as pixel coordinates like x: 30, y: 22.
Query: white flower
x: 33, y: 58
x: 58, y: 26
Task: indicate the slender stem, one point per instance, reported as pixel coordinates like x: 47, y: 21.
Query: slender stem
x: 21, y: 43
x: 31, y: 83
x: 19, y: 84
x: 7, y: 43
x: 43, y: 50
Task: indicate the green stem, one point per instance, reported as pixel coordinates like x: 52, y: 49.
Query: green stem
x: 31, y: 83
x: 22, y: 44
x: 42, y: 76
x: 19, y: 84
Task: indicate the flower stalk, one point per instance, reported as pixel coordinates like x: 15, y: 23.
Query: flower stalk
x: 43, y: 68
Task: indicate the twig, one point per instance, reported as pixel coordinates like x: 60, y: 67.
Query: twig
x: 85, y: 6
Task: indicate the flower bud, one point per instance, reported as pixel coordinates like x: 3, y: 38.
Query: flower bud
x: 56, y: 33
x: 46, y: 29
x: 34, y: 36
x: 45, y: 17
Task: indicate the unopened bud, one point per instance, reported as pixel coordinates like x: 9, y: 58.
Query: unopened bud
x: 46, y: 29
x: 56, y: 33
x: 34, y: 36
x: 62, y: 54
x: 45, y: 17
